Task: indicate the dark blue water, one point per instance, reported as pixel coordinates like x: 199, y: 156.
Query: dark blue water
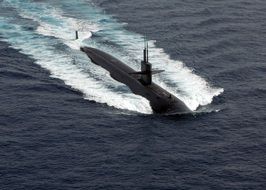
x: 65, y: 124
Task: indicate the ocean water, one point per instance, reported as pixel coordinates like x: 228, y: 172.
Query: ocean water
x: 66, y: 124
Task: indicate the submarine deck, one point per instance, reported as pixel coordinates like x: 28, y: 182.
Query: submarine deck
x: 161, y: 100
x: 107, y: 60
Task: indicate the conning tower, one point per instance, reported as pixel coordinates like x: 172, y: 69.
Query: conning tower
x: 146, y: 67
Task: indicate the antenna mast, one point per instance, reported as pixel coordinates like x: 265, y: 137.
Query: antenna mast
x: 146, y: 51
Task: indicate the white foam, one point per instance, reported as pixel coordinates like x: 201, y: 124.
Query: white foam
x: 75, y: 73
x: 177, y: 78
x: 52, y: 23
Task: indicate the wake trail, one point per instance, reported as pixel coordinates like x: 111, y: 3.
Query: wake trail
x: 55, y: 28
x: 69, y: 65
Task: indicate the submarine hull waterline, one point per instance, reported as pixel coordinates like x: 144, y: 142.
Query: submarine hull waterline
x: 161, y: 101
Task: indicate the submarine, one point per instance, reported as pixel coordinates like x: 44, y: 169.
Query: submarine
x: 139, y: 82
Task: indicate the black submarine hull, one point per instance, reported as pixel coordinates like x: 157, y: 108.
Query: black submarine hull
x: 160, y: 100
